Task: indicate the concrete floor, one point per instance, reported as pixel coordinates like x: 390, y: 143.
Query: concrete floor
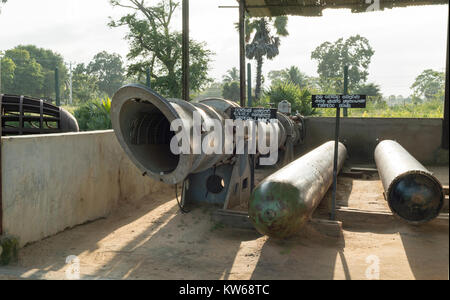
x: 155, y: 241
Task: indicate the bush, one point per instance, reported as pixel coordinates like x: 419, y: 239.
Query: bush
x: 300, y: 98
x: 94, y: 115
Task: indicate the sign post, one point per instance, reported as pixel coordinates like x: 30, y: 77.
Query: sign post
x: 337, y: 102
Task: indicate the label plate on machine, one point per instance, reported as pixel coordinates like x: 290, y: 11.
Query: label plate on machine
x: 339, y: 101
x: 252, y: 113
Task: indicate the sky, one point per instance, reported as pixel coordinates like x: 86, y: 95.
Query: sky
x: 406, y: 40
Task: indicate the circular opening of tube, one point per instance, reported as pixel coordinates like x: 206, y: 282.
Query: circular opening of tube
x: 146, y: 131
x: 215, y: 184
x: 416, y: 197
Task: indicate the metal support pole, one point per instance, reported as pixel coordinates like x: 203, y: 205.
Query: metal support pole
x: 185, y: 62
x: 57, y: 91
x: 335, y: 166
x: 71, y: 85
x: 1, y: 73
x: 242, y: 52
x: 149, y: 82
x: 249, y: 83
x: 346, y: 88
x: 445, y: 126
x: 1, y: 183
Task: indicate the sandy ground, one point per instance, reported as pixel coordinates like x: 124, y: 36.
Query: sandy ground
x: 155, y: 241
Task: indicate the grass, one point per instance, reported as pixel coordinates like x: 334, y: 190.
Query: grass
x: 431, y: 109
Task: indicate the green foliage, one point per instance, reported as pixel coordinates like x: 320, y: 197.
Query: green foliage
x: 429, y: 84
x: 214, y: 90
x: 1, y: 2
x: 8, y: 68
x: 232, y: 75
x: 28, y: 77
x: 264, y: 44
x: 429, y: 109
x: 29, y: 70
x: 370, y: 89
x: 231, y: 91
x: 9, y: 250
x: 354, y: 52
x: 108, y: 69
x: 84, y: 85
x: 292, y: 75
x: 49, y: 61
x: 154, y: 45
x: 94, y: 115
x: 299, y: 98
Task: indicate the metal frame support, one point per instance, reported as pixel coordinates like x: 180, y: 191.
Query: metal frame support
x: 346, y: 88
x: 242, y: 52
x: 185, y: 46
x: 1, y: 182
x: 445, y: 126
x: 57, y: 90
x: 335, y: 166
x: 148, y: 81
x: 249, y: 85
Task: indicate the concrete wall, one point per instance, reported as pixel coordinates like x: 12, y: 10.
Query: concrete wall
x: 54, y: 182
x: 421, y: 137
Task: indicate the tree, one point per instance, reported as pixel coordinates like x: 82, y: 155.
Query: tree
x: 154, y: 45
x: 213, y: 90
x: 84, y: 85
x: 231, y: 91
x: 372, y: 91
x: 232, y: 75
x: 429, y: 84
x: 8, y: 68
x: 264, y: 44
x: 49, y: 61
x: 369, y: 89
x: 299, y: 98
x: 1, y: 3
x: 291, y: 74
x: 109, y: 70
x: 24, y: 76
x: 354, y: 52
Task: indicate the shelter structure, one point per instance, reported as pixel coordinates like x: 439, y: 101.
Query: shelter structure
x: 308, y: 8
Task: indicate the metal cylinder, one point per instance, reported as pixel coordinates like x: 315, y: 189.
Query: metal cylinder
x: 282, y: 204
x: 413, y: 193
x: 141, y: 120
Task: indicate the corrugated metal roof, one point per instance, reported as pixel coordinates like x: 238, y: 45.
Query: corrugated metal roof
x: 313, y: 8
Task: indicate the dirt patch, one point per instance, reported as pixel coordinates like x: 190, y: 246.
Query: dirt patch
x: 153, y: 240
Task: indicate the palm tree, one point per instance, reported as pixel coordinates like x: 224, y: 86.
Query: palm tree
x: 232, y: 75
x: 264, y: 43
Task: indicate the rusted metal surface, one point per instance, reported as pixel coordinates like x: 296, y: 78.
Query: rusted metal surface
x: 23, y: 115
x: 283, y: 203
x: 412, y: 192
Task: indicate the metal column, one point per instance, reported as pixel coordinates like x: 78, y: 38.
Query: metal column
x: 242, y: 52
x: 346, y: 88
x: 185, y: 62
x: 1, y: 183
x: 57, y: 89
x: 446, y: 116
